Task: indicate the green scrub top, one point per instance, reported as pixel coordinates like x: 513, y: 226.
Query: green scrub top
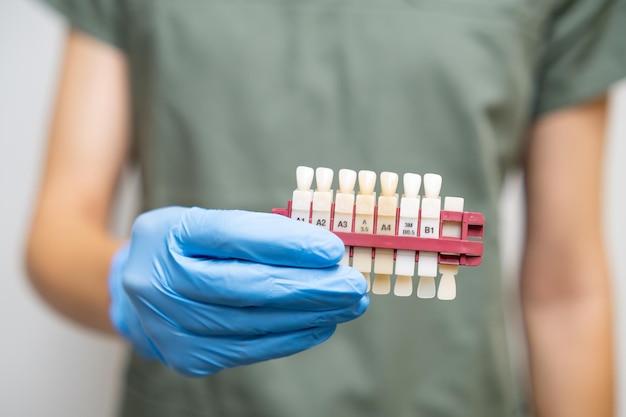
x: 228, y: 97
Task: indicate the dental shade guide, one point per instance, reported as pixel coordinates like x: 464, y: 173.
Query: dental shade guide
x: 439, y: 240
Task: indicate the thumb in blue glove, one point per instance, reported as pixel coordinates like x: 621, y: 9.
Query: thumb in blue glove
x: 203, y: 290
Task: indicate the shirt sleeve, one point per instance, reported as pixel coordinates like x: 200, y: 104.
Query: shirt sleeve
x: 102, y: 19
x: 584, y: 52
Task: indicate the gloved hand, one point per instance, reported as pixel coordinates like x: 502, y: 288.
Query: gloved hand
x: 203, y: 290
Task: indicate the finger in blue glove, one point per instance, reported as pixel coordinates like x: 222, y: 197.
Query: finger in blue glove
x: 204, y: 290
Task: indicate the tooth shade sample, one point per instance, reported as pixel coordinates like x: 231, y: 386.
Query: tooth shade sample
x: 364, y: 221
x: 447, y: 283
x: 407, y: 226
x: 367, y: 182
x: 324, y: 179
x: 429, y: 228
x: 347, y: 181
x: 304, y: 178
x: 322, y: 198
x: 303, y: 195
x: 344, y: 207
x: 411, y: 183
x: 432, y: 185
x: 388, y: 184
x: 385, y: 225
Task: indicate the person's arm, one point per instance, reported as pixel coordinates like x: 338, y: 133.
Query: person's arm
x: 200, y: 290
x: 566, y: 294
x: 69, y: 249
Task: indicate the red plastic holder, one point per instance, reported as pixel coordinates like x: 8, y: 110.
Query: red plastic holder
x: 466, y: 250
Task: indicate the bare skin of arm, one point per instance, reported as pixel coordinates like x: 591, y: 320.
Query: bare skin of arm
x: 69, y: 248
x: 566, y: 295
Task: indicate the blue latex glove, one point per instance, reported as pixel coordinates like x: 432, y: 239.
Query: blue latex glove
x: 203, y: 290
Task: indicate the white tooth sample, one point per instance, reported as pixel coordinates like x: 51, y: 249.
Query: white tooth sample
x: 432, y: 185
x: 429, y: 228
x: 403, y: 286
x: 303, y: 195
x: 344, y: 207
x: 447, y: 283
x: 407, y: 226
x: 427, y: 264
x: 385, y: 225
x: 367, y: 182
x: 322, y: 198
x: 411, y: 183
x: 388, y: 184
x: 324, y: 178
x: 364, y: 221
x: 426, y: 287
x: 347, y: 181
x: 382, y: 284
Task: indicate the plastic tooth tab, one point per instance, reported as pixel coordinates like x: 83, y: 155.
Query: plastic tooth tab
x: 303, y: 194
x: 386, y: 215
x: 408, y: 227
x: 343, y: 213
x: 364, y: 210
x: 429, y: 229
x: 322, y: 198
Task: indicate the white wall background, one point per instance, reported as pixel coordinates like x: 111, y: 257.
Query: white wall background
x: 49, y: 367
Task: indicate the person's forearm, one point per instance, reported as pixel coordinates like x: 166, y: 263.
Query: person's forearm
x: 68, y: 260
x: 569, y: 330
x: 69, y: 249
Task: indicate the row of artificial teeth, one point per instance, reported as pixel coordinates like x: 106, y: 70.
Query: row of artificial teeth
x: 367, y: 181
